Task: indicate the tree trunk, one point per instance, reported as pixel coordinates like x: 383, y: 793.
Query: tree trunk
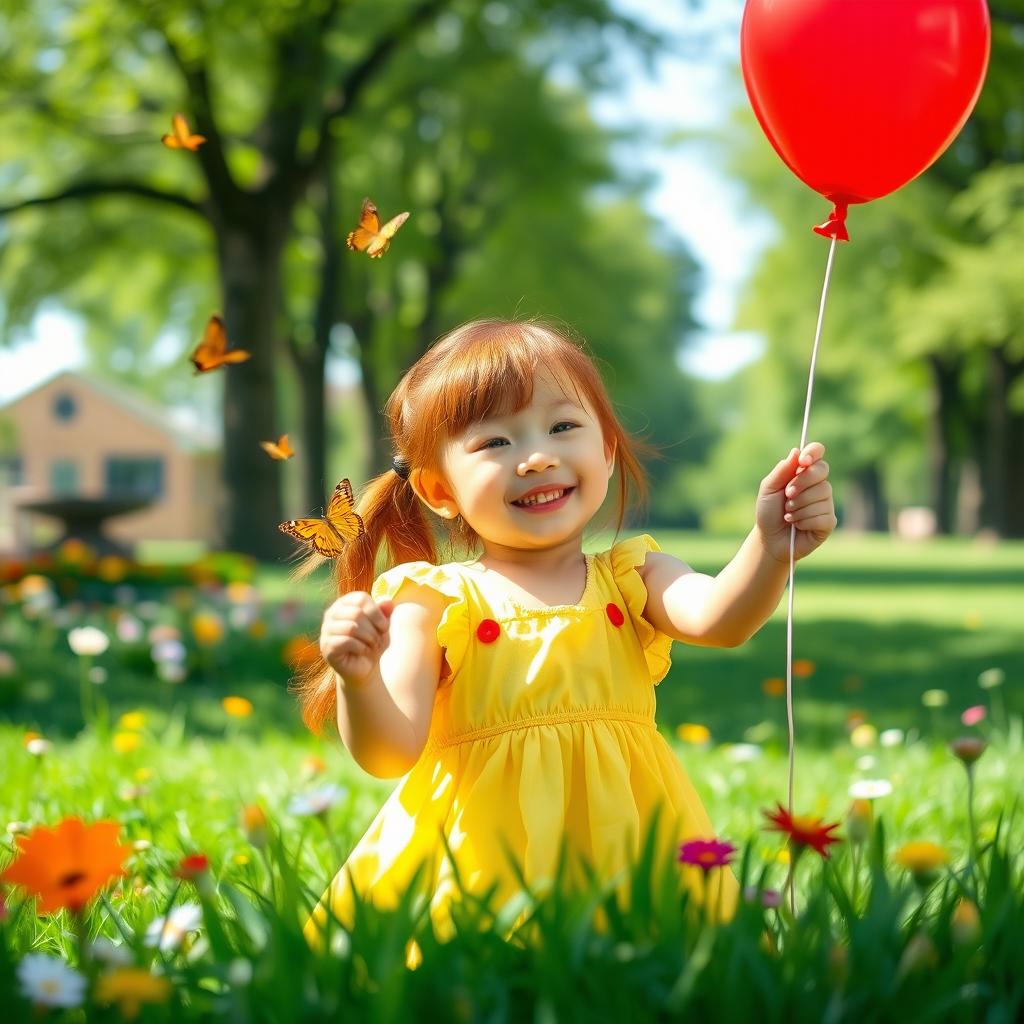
x: 865, y: 507
x: 940, y: 456
x: 997, y: 417
x: 250, y: 279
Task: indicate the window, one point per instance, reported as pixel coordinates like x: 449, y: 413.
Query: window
x: 12, y: 470
x: 134, y: 477
x: 65, y: 407
x: 64, y: 477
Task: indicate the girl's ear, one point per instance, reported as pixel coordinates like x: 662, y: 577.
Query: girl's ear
x: 432, y: 489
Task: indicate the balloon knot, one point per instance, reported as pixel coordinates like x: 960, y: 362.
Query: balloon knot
x: 835, y: 226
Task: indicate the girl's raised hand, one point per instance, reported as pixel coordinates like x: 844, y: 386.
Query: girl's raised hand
x: 796, y: 492
x: 354, y: 633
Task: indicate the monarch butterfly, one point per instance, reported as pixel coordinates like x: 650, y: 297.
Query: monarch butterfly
x: 370, y: 237
x: 182, y: 137
x: 212, y: 352
x: 339, y: 526
x: 279, y: 450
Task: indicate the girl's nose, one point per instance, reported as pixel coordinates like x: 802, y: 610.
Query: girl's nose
x: 537, y: 461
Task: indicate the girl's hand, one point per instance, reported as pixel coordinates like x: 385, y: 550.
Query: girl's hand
x: 354, y: 634
x: 796, y: 488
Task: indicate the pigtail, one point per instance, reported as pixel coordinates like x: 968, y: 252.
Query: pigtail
x: 393, y: 518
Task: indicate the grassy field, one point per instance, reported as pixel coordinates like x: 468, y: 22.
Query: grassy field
x: 882, y: 624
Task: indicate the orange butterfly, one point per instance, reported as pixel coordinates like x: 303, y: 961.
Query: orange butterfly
x: 370, y: 237
x: 182, y: 137
x: 212, y: 352
x: 339, y: 526
x: 281, y: 450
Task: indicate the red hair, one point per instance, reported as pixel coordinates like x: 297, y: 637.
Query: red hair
x: 484, y: 368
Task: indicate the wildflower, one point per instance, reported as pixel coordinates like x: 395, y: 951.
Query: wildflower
x: 49, y: 981
x: 802, y: 668
x: 130, y: 987
x: 171, y: 672
x: 774, y: 687
x: 973, y: 715
x: 161, y: 632
x: 134, y: 720
x: 921, y: 859
x: 920, y: 954
x: 67, y: 865
x: 934, y: 698
x: 319, y: 801
x: 854, y: 719
x: 965, y: 924
x: 37, y: 746
x: 311, y: 766
x: 88, y: 641
x: 169, y: 932
x: 740, y: 753
x: 191, y: 867
x: 207, y: 628
x: 859, y: 820
x: 254, y: 824
x: 768, y: 898
x: 864, y: 735
x: 258, y: 629
x: 870, y: 789
x: 112, y: 568
x: 691, y: 732
x: 237, y: 707
x: 168, y: 651
x: 968, y: 749
x: 126, y: 742
x: 891, y: 737
x: 987, y: 680
x: 240, y: 592
x: 803, y: 830
x: 706, y: 853
x: 128, y: 629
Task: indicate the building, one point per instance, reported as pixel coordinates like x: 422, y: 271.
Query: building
x: 78, y: 437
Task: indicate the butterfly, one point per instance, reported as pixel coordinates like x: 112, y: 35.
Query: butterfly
x: 182, y: 137
x: 281, y: 450
x: 370, y: 237
x: 212, y: 352
x: 339, y: 526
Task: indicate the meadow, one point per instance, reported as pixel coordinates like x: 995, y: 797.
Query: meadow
x: 181, y: 730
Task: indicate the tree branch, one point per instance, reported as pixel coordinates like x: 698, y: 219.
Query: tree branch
x: 89, y: 189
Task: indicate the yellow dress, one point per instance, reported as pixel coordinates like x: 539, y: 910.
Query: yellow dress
x: 543, y: 729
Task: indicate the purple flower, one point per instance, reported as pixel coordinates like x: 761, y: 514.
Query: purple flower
x: 706, y: 853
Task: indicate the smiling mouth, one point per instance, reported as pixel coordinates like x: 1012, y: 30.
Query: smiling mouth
x: 534, y: 503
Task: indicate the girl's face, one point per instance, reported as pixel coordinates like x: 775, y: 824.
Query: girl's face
x: 553, y: 444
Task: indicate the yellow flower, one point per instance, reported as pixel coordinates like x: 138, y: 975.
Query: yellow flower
x: 863, y: 735
x: 112, y: 568
x: 254, y: 824
x: 132, y: 720
x: 774, y: 687
x: 240, y: 592
x: 691, y: 732
x: 240, y: 859
x: 921, y: 858
x: 207, y: 628
x: 74, y: 551
x: 142, y: 774
x: 31, y: 585
x: 130, y: 987
x: 237, y: 707
x: 257, y: 629
x: 126, y: 742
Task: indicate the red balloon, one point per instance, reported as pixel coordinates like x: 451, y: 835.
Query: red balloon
x: 860, y: 96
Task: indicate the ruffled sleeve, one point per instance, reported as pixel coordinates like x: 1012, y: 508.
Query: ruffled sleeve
x: 453, y: 629
x: 625, y: 557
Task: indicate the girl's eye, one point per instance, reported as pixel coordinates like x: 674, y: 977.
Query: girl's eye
x: 563, y: 423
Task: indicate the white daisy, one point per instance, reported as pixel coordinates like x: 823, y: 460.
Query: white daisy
x: 49, y: 981
x: 169, y: 932
x: 317, y: 801
x: 870, y: 789
x: 739, y: 753
x: 87, y: 641
x: 890, y: 737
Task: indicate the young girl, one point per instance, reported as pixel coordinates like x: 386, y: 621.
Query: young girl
x: 514, y: 691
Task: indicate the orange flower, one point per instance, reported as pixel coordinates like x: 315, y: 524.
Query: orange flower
x: 67, y: 865
x: 237, y: 707
x: 300, y: 652
x: 774, y: 687
x: 802, y: 668
x: 803, y: 830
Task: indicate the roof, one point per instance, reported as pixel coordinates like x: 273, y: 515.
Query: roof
x: 172, y: 422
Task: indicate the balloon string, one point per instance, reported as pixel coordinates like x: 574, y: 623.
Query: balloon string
x: 792, y: 546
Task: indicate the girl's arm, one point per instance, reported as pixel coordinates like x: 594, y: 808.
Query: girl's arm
x: 728, y: 609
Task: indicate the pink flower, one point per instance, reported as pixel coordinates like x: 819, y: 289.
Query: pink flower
x: 706, y: 853
x: 973, y: 715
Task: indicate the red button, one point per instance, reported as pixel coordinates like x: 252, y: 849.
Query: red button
x: 615, y: 615
x: 488, y: 630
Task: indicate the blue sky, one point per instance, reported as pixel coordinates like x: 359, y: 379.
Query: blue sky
x: 692, y: 197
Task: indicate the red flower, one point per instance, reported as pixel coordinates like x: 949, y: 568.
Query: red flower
x: 192, y: 866
x: 803, y: 830
x: 706, y: 853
